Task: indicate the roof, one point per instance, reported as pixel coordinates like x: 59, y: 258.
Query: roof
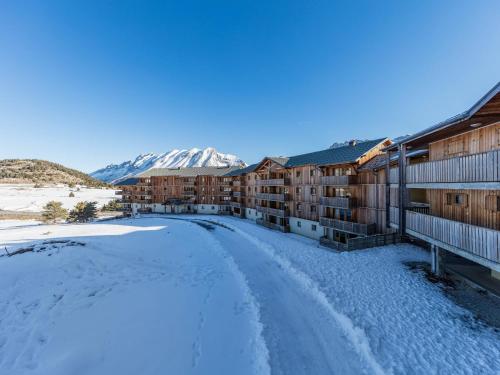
x: 242, y: 171
x: 189, y: 172
x: 453, y: 120
x: 339, y: 155
x: 377, y: 162
x: 128, y: 181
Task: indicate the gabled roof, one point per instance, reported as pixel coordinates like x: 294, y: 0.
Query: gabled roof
x: 339, y: 155
x: 460, y: 118
x: 128, y: 182
x: 242, y: 171
x: 189, y: 172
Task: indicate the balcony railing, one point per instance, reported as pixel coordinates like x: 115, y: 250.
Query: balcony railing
x: 339, y: 180
x: 394, y: 215
x: 483, y: 167
x: 273, y: 211
x: 338, y: 202
x: 282, y: 228
x: 235, y: 204
x: 239, y: 193
x: 272, y: 197
x: 273, y: 182
x: 394, y: 176
x: 479, y: 241
x: 348, y: 226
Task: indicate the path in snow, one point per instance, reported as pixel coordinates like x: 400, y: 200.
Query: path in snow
x: 303, y: 334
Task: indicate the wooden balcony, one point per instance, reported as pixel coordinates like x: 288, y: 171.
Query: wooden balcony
x: 339, y: 180
x: 273, y: 211
x: 348, y: 226
x: 477, y: 168
x: 282, y: 228
x: 273, y: 197
x: 338, y: 202
x: 394, y: 217
x: 460, y: 238
x: 239, y: 193
x: 394, y: 176
x: 273, y: 182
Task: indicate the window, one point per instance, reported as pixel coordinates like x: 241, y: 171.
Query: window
x: 297, y: 190
x: 299, y: 224
x: 311, y: 173
x: 213, y: 207
x: 454, y: 199
x: 297, y: 174
x: 313, y: 191
x: 313, y: 209
x: 492, y: 203
x: 313, y: 227
x: 299, y: 207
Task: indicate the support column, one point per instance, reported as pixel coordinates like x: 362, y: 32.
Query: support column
x: 435, y: 260
x: 402, y: 189
x: 388, y: 191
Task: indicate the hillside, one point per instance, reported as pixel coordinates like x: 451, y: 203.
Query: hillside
x: 26, y: 171
x: 208, y: 157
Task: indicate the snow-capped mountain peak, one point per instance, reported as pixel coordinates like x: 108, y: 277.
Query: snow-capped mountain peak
x: 194, y: 157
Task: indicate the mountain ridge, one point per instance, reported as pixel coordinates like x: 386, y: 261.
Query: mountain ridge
x: 194, y: 157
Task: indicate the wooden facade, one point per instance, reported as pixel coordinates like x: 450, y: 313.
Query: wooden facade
x: 446, y: 187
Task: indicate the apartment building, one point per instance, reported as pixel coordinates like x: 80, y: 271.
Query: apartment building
x: 318, y: 195
x: 243, y: 193
x: 181, y: 190
x: 446, y: 188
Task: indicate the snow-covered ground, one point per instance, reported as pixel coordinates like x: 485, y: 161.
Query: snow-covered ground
x: 223, y: 296
x: 27, y: 198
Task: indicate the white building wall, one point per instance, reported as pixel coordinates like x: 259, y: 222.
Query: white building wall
x: 252, y: 214
x: 208, y: 209
x: 158, y: 208
x: 306, y: 228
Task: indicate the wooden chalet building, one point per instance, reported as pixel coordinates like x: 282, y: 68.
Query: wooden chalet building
x: 319, y: 194
x: 445, y: 187
x: 181, y: 190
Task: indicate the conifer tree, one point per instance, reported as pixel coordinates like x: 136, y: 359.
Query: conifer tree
x: 53, y: 211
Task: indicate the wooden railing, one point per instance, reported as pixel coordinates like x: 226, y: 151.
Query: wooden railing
x: 483, y: 167
x: 394, y: 215
x: 339, y: 180
x: 272, y: 197
x: 348, y: 226
x: 479, y: 241
x: 273, y: 182
x: 273, y: 211
x: 282, y: 228
x: 338, y: 202
x: 394, y: 176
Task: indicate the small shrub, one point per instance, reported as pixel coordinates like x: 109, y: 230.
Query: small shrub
x: 71, y: 194
x: 53, y: 211
x: 83, y: 212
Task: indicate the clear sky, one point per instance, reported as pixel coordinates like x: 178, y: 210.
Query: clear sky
x: 87, y: 83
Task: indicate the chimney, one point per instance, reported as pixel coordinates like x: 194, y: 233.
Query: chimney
x: 352, y: 142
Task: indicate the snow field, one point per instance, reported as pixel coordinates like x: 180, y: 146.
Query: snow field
x: 27, y: 198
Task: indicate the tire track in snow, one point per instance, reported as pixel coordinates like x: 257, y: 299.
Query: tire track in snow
x: 356, y: 335
x: 261, y: 361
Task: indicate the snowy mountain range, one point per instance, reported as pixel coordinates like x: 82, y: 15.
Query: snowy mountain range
x: 208, y: 157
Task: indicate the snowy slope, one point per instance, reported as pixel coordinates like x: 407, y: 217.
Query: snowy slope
x: 208, y: 157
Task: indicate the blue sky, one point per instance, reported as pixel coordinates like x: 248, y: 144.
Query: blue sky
x: 88, y: 83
